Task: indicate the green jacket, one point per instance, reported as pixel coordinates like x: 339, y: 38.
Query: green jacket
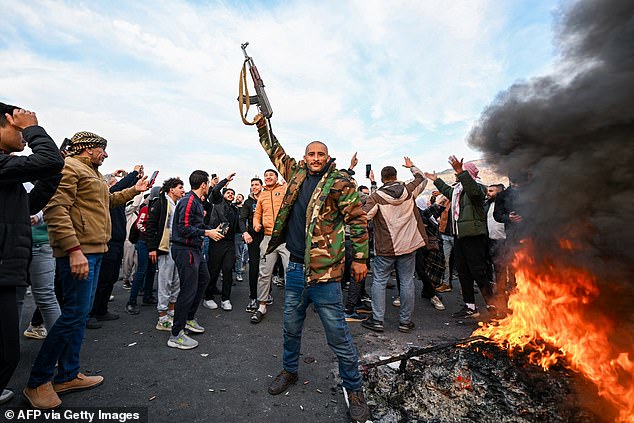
x: 334, y: 204
x: 472, y: 220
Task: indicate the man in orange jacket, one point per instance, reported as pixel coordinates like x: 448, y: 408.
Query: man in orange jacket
x: 266, y: 210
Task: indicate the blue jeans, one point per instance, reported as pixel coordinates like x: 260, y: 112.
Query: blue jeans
x: 328, y: 300
x: 42, y: 272
x: 145, y: 271
x: 241, y: 253
x: 63, y: 342
x: 382, y: 266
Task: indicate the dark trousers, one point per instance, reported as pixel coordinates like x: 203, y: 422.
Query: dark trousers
x: 254, y: 266
x: 355, y: 290
x: 108, y: 276
x: 428, y: 286
x: 221, y: 257
x: 9, y: 334
x: 145, y: 271
x: 194, y: 278
x: 471, y: 263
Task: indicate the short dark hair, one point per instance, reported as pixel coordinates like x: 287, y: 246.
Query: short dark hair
x: 224, y: 190
x: 272, y: 170
x: 257, y: 179
x: 362, y: 187
x: 6, y: 108
x: 197, y: 178
x: 501, y: 187
x: 388, y: 173
x: 171, y: 183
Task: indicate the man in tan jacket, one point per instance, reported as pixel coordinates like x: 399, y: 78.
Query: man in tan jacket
x: 266, y: 210
x: 79, y: 229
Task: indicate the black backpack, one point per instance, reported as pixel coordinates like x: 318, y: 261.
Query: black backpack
x: 134, y: 232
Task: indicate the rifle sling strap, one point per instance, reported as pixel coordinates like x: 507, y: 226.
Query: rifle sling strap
x: 243, y: 95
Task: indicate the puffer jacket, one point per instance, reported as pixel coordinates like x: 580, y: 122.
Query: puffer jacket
x: 334, y: 203
x: 78, y: 214
x: 44, y: 165
x: 269, y: 203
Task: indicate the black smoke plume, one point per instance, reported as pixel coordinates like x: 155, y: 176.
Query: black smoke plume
x: 572, y: 133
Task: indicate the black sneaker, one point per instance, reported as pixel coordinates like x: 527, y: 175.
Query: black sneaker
x: 252, y: 306
x: 132, y: 308
x: 364, y: 309
x: 281, y: 382
x: 406, y: 327
x: 127, y: 285
x: 372, y: 324
x: 466, y: 313
x: 151, y: 301
x: 357, y: 407
x: 92, y: 323
x: 107, y: 316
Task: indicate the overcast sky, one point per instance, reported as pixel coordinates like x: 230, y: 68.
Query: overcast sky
x: 159, y: 79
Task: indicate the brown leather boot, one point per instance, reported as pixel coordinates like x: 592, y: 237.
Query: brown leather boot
x: 281, y: 382
x: 80, y: 382
x: 43, y: 397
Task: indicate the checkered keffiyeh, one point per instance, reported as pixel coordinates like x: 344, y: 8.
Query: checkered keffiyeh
x: 83, y: 140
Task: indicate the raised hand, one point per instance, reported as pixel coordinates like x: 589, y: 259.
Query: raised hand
x: 431, y: 176
x: 142, y: 184
x: 139, y: 169
x: 456, y: 164
x: 408, y: 162
x: 354, y: 161
x: 230, y: 177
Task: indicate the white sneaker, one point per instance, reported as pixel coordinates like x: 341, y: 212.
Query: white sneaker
x: 397, y: 302
x: 210, y: 304
x: 182, y: 341
x: 194, y: 327
x: 35, y: 332
x: 164, y: 323
x: 435, y: 301
x: 226, y: 305
x: 239, y: 277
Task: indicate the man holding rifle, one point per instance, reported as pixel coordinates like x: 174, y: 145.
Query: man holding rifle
x: 319, y: 201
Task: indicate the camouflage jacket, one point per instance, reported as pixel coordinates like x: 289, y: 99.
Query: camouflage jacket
x: 334, y: 203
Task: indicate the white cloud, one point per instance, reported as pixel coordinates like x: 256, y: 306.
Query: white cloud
x: 159, y: 79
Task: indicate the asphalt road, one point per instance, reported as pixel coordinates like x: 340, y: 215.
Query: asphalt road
x: 225, y: 379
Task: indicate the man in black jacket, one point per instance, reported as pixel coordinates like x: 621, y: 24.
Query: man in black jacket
x: 188, y: 231
x: 157, y: 236
x: 222, y: 252
x: 112, y: 260
x: 253, y: 240
x: 18, y: 128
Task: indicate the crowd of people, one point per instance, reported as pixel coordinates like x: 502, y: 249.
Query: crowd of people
x: 70, y: 233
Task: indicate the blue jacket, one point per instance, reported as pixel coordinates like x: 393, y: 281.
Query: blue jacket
x: 189, y: 228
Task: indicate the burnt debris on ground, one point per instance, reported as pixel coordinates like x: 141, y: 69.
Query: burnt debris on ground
x: 474, y: 383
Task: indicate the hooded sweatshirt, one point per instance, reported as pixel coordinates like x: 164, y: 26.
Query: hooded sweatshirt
x: 398, y: 227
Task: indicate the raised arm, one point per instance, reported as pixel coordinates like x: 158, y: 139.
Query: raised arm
x: 282, y: 161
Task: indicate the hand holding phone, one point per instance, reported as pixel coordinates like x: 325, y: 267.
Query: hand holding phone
x: 153, y: 178
x: 368, y: 168
x: 224, y: 228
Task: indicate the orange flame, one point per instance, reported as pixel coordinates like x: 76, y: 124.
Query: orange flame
x: 550, y: 306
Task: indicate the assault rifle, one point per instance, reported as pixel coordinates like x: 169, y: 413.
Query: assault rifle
x: 416, y: 352
x: 259, y: 99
